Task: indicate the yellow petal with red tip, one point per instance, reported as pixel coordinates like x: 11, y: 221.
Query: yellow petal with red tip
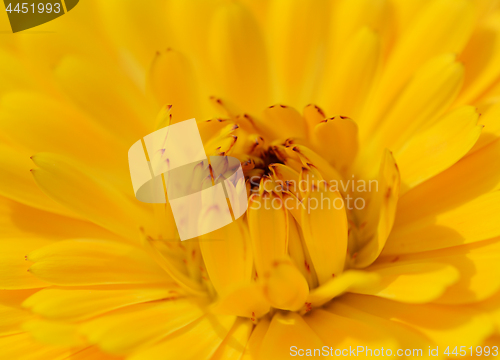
x: 17, y: 184
x: 490, y: 119
x: 337, y: 141
x: 313, y: 115
x: 307, y: 156
x: 14, y: 267
x: 286, y: 122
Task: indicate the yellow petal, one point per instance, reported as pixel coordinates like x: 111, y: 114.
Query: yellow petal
x: 345, y: 89
x: 268, y: 224
x: 92, y: 262
x: 191, y: 19
x: 406, y: 337
x: 11, y: 320
x: 324, y: 225
x: 299, y: 254
x: 428, y: 94
x: 297, y: 32
x: 39, y: 122
x: 235, y: 342
x: 173, y: 265
x: 482, y: 68
x: 237, y: 53
x: 284, y: 286
x: 171, y: 79
x: 227, y: 255
x: 293, y: 205
x: 307, y: 157
x: 244, y: 300
x: 444, y: 26
x: 285, y: 331
x: 349, y: 16
x: 313, y: 115
x: 54, y: 333
x: 254, y: 343
x: 204, y: 337
x: 114, y: 102
x: 464, y: 326
x: 337, y: 141
x: 437, y: 148
x: 382, y: 211
x: 95, y: 199
x: 15, y: 298
x: 477, y: 265
x: 340, y: 332
x: 17, y: 184
x: 91, y: 352
x: 23, y: 346
x: 471, y: 222
x: 14, y: 267
x: 490, y: 119
x: 491, y: 306
x: 284, y: 122
x: 413, y: 283
x: 14, y: 75
x: 80, y: 303
x: 285, y: 175
x: 473, y: 176
x: 17, y: 220
x: 136, y: 33
x: 350, y: 280
x: 117, y: 333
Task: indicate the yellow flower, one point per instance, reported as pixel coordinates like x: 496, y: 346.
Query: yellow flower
x: 371, y: 104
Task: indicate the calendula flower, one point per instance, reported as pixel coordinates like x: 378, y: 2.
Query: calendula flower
x: 368, y: 134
